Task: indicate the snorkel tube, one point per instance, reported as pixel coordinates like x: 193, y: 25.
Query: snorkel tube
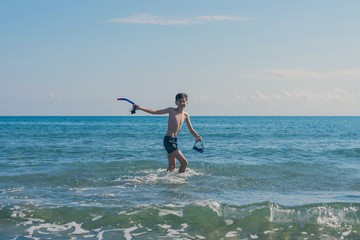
x: 133, y: 110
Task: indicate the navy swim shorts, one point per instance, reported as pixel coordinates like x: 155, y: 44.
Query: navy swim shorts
x: 170, y: 144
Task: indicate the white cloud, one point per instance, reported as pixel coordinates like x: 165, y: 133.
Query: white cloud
x: 157, y: 20
x: 337, y: 95
x: 53, y: 95
x: 208, y: 100
x: 149, y: 19
x: 333, y: 102
x: 285, y: 96
x: 222, y: 18
x: 303, y: 74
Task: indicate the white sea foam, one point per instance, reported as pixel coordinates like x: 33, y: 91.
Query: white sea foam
x: 89, y: 236
x: 213, y: 205
x: 47, y: 228
x: 229, y: 222
x: 184, y: 225
x: 200, y: 237
x: 31, y: 221
x: 100, y: 235
x: 164, y: 212
x: 231, y: 234
x: 178, y: 233
x: 18, y: 212
x: 326, y: 216
x: 272, y: 230
x: 128, y: 232
x: 96, y: 217
x: 344, y: 234
x: 159, y: 176
x: 165, y: 226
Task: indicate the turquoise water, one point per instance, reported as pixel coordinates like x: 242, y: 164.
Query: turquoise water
x: 105, y: 178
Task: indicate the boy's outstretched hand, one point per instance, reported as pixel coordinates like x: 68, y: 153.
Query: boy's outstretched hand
x: 135, y: 106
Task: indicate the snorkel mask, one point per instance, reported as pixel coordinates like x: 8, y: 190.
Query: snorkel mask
x: 133, y: 110
x: 198, y: 148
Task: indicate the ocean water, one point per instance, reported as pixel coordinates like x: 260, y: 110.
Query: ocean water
x: 105, y: 178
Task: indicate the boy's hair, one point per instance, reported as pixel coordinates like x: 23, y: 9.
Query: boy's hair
x: 180, y: 96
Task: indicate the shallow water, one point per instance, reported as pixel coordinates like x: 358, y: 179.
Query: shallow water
x: 105, y: 178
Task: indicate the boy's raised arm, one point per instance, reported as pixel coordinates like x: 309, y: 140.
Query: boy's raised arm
x: 152, y: 111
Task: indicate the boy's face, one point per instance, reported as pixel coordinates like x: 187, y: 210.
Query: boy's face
x: 181, y: 103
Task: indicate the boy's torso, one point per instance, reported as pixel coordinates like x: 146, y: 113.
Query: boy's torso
x: 175, y: 122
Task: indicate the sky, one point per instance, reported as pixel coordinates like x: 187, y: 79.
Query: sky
x: 232, y: 57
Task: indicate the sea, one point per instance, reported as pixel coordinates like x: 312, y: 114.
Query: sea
x: 105, y: 178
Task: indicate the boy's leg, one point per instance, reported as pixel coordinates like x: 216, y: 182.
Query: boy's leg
x: 172, y: 162
x: 183, y: 162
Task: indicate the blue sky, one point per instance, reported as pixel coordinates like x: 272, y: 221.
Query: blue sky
x: 232, y: 57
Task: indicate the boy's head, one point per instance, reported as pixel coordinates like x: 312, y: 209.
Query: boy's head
x: 181, y: 100
x: 181, y: 96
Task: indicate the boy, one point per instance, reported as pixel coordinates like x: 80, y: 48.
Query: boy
x: 177, y: 116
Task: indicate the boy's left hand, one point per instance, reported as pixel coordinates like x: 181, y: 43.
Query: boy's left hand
x: 199, y: 138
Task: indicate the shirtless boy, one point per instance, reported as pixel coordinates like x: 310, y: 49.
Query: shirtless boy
x: 177, y: 116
